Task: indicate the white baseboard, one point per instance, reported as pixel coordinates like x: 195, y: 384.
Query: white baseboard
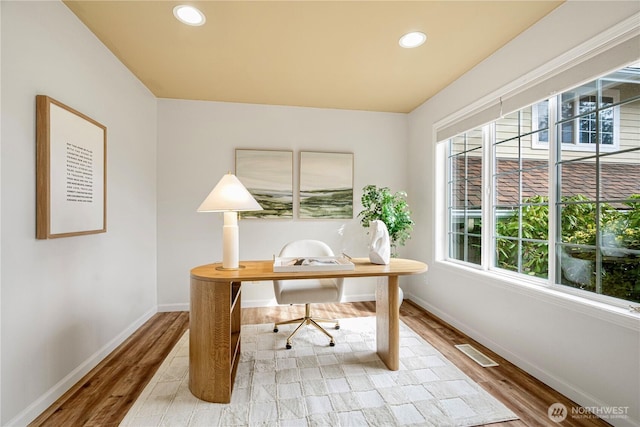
x: 49, y: 397
x: 261, y: 303
x: 360, y: 297
x: 246, y: 303
x: 558, y: 384
x: 163, y: 308
x: 272, y: 302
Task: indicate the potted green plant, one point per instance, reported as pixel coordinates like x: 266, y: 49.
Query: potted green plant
x: 390, y: 208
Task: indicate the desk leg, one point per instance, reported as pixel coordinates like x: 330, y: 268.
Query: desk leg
x: 210, y: 363
x: 388, y: 323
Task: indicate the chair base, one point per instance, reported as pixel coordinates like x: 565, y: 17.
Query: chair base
x: 308, y: 320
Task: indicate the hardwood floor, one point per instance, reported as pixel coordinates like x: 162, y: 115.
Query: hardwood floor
x: 103, y: 397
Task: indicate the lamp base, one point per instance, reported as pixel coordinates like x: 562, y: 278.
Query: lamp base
x: 221, y: 268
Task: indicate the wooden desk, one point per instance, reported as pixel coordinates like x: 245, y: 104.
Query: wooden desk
x: 215, y: 318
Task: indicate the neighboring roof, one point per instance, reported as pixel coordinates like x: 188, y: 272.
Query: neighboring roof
x: 618, y: 181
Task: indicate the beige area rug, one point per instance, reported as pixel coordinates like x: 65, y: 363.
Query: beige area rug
x: 314, y: 384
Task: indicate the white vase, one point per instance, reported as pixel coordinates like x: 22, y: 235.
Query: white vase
x: 380, y: 245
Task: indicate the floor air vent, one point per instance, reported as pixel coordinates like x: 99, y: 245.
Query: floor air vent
x: 474, y: 354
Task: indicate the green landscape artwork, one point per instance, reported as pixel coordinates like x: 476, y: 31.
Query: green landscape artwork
x: 268, y: 175
x: 326, y: 185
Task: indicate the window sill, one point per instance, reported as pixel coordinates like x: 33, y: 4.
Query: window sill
x: 583, y: 148
x: 535, y: 288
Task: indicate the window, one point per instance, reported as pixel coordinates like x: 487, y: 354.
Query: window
x: 579, y: 129
x: 586, y: 225
x: 520, y: 204
x: 598, y: 200
x: 465, y: 197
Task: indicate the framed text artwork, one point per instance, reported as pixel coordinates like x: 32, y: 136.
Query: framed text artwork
x: 326, y: 185
x: 268, y: 175
x: 71, y: 196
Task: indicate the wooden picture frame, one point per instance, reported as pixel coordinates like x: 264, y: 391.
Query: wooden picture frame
x: 326, y: 185
x: 268, y: 175
x: 71, y: 172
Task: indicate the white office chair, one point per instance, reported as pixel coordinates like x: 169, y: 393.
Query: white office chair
x: 307, y: 291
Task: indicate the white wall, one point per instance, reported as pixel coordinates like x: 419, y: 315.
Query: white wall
x: 587, y: 352
x: 67, y: 302
x: 196, y: 146
x: 0, y: 213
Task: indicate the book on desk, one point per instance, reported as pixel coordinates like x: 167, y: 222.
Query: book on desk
x: 312, y: 263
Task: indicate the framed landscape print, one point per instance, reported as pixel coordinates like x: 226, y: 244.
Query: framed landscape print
x: 268, y: 175
x: 71, y: 171
x: 326, y: 185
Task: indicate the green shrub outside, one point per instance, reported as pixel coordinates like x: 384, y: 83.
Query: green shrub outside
x: 620, y: 231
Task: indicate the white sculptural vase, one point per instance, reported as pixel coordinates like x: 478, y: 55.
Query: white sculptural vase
x: 380, y: 246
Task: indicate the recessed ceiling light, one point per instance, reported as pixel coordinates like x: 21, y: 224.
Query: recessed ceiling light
x: 413, y: 39
x: 189, y: 15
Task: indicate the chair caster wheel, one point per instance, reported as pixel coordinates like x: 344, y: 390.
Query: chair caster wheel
x: 337, y: 327
x: 275, y: 329
x: 288, y: 346
x: 332, y: 344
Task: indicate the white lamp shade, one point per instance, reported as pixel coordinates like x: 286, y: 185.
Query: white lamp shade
x: 229, y: 195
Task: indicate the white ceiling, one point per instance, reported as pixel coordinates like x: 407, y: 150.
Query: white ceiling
x: 326, y: 54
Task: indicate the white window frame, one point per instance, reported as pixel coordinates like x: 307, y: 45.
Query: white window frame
x: 450, y: 213
x: 489, y: 218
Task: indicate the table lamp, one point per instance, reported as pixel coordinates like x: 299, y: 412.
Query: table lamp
x: 230, y: 196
